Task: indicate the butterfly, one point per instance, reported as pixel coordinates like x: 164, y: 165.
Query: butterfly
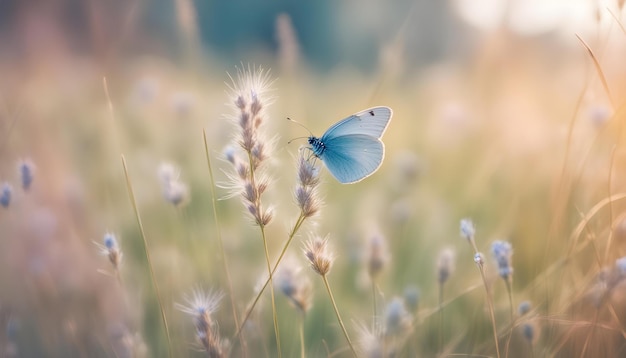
x: 351, y: 149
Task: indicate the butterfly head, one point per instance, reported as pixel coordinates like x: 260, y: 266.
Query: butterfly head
x: 317, y: 146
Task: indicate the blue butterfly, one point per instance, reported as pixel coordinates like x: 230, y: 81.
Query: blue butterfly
x: 351, y: 148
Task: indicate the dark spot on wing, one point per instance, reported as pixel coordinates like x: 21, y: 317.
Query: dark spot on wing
x: 372, y: 113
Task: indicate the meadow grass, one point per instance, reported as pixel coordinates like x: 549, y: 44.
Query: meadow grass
x: 218, y: 214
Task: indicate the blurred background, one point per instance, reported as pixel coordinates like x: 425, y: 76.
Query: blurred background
x: 508, y: 112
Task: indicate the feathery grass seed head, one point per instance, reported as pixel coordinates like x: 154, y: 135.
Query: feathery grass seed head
x: 306, y: 194
x: 377, y: 255
x: 174, y: 191
x: 307, y: 201
x: 249, y: 93
x: 111, y: 249
x: 319, y: 255
x: 249, y: 97
x: 502, y: 252
x: 201, y: 306
x: 371, y: 342
x: 308, y: 173
x: 468, y: 230
x: 445, y: 265
x: 397, y: 319
x: 297, y: 287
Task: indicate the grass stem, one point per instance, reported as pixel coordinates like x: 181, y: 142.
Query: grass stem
x: 147, y: 252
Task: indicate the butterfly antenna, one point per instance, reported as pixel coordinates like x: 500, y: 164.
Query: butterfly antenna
x: 296, y: 139
x: 301, y: 125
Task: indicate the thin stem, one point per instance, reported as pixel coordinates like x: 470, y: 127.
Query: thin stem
x: 267, y: 255
x: 292, y: 234
x: 145, y: 247
x: 343, y: 328
x: 491, y: 310
x: 489, y: 301
x: 374, y: 319
x: 269, y: 270
x: 510, y: 293
x: 440, y: 317
x: 220, y: 242
x: 118, y: 277
x: 302, y: 354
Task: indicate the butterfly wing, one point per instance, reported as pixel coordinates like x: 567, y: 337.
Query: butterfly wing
x: 370, y: 122
x: 353, y: 157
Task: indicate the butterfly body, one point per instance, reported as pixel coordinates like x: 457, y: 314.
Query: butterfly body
x: 351, y: 149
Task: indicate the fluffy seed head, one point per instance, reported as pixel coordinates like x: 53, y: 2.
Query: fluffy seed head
x: 295, y: 286
x: 249, y: 93
x: 174, y: 191
x: 468, y: 230
x: 397, y: 319
x: 307, y: 201
x: 167, y: 173
x: 377, y: 256
x: 201, y: 306
x: 111, y: 249
x: 445, y: 265
x: 308, y: 173
x: 502, y: 252
x: 319, y: 255
x: 305, y: 193
x: 371, y: 342
x: 249, y: 97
